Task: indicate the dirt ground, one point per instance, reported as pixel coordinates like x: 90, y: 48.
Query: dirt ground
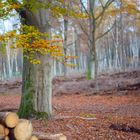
x: 80, y: 114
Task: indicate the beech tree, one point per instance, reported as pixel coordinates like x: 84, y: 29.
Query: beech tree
x: 39, y: 48
x: 98, y: 12
x: 95, y: 11
x: 37, y: 72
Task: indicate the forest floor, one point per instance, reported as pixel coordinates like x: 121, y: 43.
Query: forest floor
x: 83, y: 113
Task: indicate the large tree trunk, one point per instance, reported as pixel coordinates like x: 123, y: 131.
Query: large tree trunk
x: 37, y: 90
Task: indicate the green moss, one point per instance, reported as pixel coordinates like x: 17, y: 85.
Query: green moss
x: 90, y: 115
x: 109, y: 117
x: 42, y: 115
x: 88, y: 73
x: 26, y: 108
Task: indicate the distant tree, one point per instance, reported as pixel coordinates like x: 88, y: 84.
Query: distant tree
x: 99, y: 14
x: 95, y: 11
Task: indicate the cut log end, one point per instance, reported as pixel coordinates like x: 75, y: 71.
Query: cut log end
x: 11, y: 119
x: 23, y: 130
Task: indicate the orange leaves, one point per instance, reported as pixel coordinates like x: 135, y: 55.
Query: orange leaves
x: 14, y: 6
x: 6, y: 36
x: 130, y: 7
x: 1, y: 5
x: 2, y: 38
x: 69, y: 65
x: 34, y: 42
x: 6, y: 8
x: 73, y: 57
x: 126, y: 7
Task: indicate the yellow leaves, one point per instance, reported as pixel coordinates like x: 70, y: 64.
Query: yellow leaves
x: 35, y: 61
x: 69, y: 65
x: 56, y: 36
x: 14, y: 6
x: 130, y: 7
x: 112, y: 12
x: 81, y: 15
x: 34, y: 42
x: 126, y: 7
x: 1, y: 5
x: 69, y: 57
x: 7, y: 36
x: 2, y: 38
x: 11, y: 34
x: 6, y: 8
x: 88, y: 115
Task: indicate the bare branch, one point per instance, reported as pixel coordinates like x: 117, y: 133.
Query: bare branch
x: 83, y: 29
x: 100, y: 36
x: 101, y: 3
x: 108, y: 3
x: 84, y: 8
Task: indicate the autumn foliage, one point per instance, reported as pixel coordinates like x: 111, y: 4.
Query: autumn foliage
x: 34, y: 42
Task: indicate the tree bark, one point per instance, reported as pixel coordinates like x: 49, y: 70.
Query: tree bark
x: 93, y: 52
x: 2, y: 133
x: 65, y: 44
x: 43, y: 136
x: 37, y: 89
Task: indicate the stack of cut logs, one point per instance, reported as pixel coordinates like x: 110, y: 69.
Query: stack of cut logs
x: 13, y: 128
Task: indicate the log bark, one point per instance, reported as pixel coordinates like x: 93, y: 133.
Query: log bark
x: 6, y: 131
x: 2, y: 131
x: 44, y: 136
x: 7, y: 138
x: 11, y: 134
x: 10, y: 119
x: 23, y: 130
x: 57, y: 137
x: 34, y: 137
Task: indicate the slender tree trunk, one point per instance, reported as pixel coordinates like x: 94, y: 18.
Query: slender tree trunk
x: 89, y: 66
x: 93, y: 51
x: 65, y: 44
x: 92, y: 39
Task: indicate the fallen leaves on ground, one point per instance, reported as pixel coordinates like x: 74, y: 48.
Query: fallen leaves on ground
x: 79, y: 114
x: 106, y: 109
